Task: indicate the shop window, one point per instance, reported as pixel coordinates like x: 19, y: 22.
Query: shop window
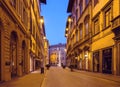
x: 107, y: 61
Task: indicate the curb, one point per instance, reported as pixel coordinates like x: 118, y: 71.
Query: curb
x: 43, y: 78
x: 87, y: 73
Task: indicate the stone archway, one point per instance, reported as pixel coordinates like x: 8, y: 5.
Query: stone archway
x: 23, y: 60
x: 13, y: 53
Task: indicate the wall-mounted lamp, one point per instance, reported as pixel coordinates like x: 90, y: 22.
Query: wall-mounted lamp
x: 66, y: 29
x: 70, y: 19
x: 41, y: 19
x: 44, y: 38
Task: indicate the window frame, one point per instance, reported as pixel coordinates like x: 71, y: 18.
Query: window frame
x: 96, y: 24
x: 108, y: 7
x: 108, y: 17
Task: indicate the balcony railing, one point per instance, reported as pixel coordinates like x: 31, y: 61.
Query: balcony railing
x: 116, y: 22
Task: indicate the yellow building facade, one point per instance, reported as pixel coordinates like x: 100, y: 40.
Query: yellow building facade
x: 46, y: 46
x: 96, y: 45
x: 15, y: 37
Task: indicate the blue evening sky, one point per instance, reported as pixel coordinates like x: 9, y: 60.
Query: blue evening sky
x: 55, y: 16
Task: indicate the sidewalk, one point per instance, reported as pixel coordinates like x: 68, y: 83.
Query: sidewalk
x: 33, y: 79
x: 100, y: 75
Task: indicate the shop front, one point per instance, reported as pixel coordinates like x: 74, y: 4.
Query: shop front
x: 86, y: 60
x: 13, y: 54
x: 116, y: 31
x: 107, y: 60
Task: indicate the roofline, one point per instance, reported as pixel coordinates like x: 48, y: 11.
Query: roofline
x: 43, y: 1
x: 70, y: 5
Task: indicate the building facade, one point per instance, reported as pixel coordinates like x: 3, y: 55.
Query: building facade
x: 15, y: 36
x: 96, y: 45
x: 57, y: 54
x: 46, y: 46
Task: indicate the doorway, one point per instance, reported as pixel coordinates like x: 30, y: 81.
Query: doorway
x: 86, y: 60
x: 96, y: 61
x: 23, y: 57
x: 13, y: 54
x: 107, y: 61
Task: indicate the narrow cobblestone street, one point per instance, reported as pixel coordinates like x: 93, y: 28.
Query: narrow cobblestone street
x: 58, y: 77
x: 59, y: 43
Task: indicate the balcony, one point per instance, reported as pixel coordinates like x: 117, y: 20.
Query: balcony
x: 116, y: 22
x: 116, y: 27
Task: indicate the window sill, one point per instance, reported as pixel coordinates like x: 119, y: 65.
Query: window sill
x: 106, y: 27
